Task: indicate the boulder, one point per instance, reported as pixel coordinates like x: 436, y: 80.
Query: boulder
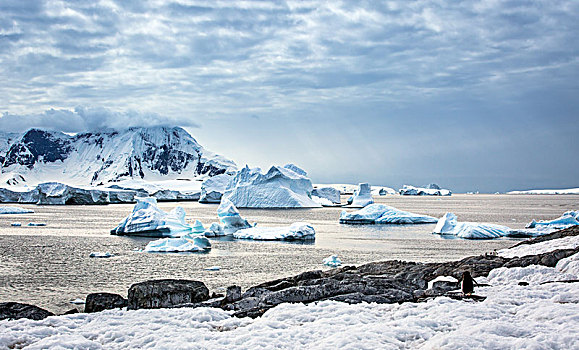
x: 166, y: 293
x: 96, y: 302
x: 14, y: 311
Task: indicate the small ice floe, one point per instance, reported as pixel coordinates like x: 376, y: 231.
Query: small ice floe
x: 101, y: 255
x: 36, y: 224
x: 14, y: 210
x: 213, y: 268
x: 332, y: 261
x: 298, y: 231
x: 186, y: 243
x: 16, y: 224
x: 77, y: 301
x: 383, y: 214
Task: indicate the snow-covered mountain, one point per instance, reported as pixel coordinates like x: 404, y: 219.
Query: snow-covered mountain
x: 156, y: 153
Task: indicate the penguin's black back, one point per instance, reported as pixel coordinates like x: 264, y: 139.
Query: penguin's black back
x: 467, y: 285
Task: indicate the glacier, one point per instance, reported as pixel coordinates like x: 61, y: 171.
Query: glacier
x: 147, y: 219
x: 383, y: 214
x: 186, y: 243
x: 213, y: 188
x: 298, y: 231
x: 362, y: 196
x: 280, y: 187
x: 430, y: 190
x: 14, y: 210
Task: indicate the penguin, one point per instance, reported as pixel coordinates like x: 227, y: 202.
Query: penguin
x: 467, y: 283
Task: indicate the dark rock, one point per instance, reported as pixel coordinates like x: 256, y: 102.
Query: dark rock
x: 523, y: 283
x: 14, y: 311
x: 71, y: 312
x: 96, y: 302
x: 232, y: 294
x: 166, y: 293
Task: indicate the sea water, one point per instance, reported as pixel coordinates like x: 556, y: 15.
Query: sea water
x: 50, y: 266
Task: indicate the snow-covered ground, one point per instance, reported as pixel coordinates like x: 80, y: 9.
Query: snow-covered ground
x: 537, y: 316
x: 562, y: 191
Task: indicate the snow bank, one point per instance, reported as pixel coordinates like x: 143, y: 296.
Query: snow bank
x: 383, y: 214
x: 147, y: 219
x: 570, y: 242
x: 280, y: 187
x: 185, y: 243
x: 298, y: 231
x: 512, y: 317
x: 213, y: 188
x: 14, y: 210
x: 230, y: 218
x: 362, y: 196
x: 430, y: 190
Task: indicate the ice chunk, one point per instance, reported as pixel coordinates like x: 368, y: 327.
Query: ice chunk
x: 332, y: 261
x: 382, y: 191
x: 431, y: 190
x: 36, y: 224
x: 198, y: 227
x: 280, y: 187
x: 212, y: 268
x: 296, y: 231
x: 77, y: 301
x: 362, y: 197
x: 14, y: 210
x: 332, y: 195
x: 147, y: 219
x: 383, y: 214
x: 441, y: 279
x: 101, y: 255
x: 568, y: 219
x: 230, y: 217
x: 16, y: 224
x: 215, y: 230
x: 185, y: 243
x: 449, y: 225
x: 213, y: 188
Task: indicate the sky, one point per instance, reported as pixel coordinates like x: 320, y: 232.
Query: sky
x: 473, y: 95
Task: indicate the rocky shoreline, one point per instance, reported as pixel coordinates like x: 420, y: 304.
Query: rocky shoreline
x: 380, y: 282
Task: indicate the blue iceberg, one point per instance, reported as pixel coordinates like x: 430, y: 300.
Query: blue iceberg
x: 383, y: 214
x: 185, y: 243
x: 298, y: 231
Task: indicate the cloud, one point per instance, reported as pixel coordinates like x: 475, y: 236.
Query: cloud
x: 87, y: 118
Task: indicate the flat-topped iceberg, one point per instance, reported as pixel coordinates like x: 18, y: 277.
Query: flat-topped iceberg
x: 298, y: 231
x: 553, y: 191
x: 430, y: 190
x: 280, y: 187
x: 213, y: 188
x: 449, y: 225
x: 362, y: 196
x: 230, y: 218
x: 383, y: 214
x: 332, y: 195
x: 15, y: 210
x: 185, y: 243
x: 147, y: 219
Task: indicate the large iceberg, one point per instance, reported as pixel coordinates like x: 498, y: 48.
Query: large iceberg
x: 213, y: 188
x: 280, y: 187
x: 230, y: 219
x: 298, y: 231
x: 185, y: 243
x: 14, y: 210
x: 147, y: 219
x: 383, y: 214
x: 430, y: 190
x: 362, y: 196
x: 382, y: 191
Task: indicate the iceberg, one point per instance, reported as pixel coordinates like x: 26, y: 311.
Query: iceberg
x: 215, y: 230
x: 543, y: 227
x: 298, y: 231
x: 213, y: 188
x: 280, y: 187
x: 383, y: 214
x: 36, y: 224
x: 185, y: 243
x: 430, y: 190
x: 548, y: 191
x: 332, y: 195
x: 16, y: 224
x: 230, y: 218
x: 332, y: 261
x: 362, y: 196
x: 147, y: 219
x: 15, y: 210
x: 382, y: 191
x: 101, y: 255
